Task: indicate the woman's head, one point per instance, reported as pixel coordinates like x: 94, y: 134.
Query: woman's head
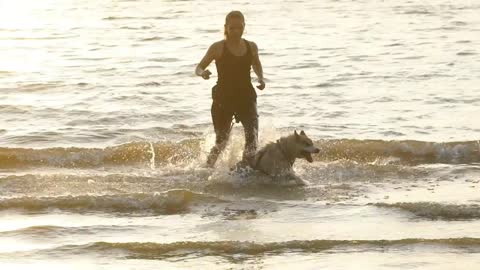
x: 234, y: 25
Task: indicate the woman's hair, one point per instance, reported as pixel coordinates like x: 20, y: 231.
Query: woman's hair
x: 235, y: 14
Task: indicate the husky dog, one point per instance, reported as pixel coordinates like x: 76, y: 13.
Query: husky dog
x: 276, y: 159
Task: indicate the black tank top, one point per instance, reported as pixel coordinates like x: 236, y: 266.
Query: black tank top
x: 234, y: 82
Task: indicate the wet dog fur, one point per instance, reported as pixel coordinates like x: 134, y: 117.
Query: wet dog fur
x: 277, y: 159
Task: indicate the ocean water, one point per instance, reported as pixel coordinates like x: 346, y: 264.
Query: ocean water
x: 104, y: 129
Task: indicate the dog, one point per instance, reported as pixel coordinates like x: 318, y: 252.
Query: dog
x: 277, y: 159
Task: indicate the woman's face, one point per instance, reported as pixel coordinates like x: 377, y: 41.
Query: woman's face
x: 235, y: 28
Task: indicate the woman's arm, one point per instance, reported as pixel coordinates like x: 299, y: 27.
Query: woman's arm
x: 201, y: 70
x: 257, y: 66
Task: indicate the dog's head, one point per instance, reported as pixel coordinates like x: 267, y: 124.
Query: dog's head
x: 304, y: 146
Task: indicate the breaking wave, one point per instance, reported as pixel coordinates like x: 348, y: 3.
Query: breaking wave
x: 141, y: 153
x: 122, y: 155
x: 433, y: 210
x: 151, y: 250
x: 404, y: 152
x: 169, y: 202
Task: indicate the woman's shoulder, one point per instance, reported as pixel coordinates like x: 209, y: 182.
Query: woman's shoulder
x: 252, y: 45
x: 216, y: 49
x: 218, y: 44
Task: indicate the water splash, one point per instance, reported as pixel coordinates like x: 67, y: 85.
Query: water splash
x: 152, y: 160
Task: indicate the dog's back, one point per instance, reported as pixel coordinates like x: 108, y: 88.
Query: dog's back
x: 277, y: 159
x: 272, y: 160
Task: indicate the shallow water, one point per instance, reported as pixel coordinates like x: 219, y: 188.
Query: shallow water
x: 104, y: 130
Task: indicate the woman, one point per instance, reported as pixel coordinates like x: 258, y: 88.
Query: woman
x: 233, y: 95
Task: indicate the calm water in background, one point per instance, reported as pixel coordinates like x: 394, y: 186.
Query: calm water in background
x: 104, y: 127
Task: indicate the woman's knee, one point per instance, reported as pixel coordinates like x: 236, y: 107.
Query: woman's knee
x: 222, y: 138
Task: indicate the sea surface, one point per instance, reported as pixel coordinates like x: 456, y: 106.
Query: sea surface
x: 104, y: 131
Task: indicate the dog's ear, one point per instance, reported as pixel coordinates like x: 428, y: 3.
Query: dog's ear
x: 303, y: 133
x: 296, y: 134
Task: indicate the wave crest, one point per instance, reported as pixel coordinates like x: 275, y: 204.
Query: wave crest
x: 140, y: 153
x: 169, y: 202
x: 153, y: 250
x: 437, y: 210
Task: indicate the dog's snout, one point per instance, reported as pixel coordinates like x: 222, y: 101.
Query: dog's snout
x: 312, y: 149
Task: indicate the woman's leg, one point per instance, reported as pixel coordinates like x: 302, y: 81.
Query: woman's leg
x: 222, y: 119
x: 249, y: 118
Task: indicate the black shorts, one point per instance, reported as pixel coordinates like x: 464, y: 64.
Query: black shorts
x: 244, y: 110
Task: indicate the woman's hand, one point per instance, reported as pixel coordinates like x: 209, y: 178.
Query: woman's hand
x: 206, y: 74
x: 261, y: 85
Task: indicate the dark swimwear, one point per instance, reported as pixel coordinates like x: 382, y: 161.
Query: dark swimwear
x: 234, y: 97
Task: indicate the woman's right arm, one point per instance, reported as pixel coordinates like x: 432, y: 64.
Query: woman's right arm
x: 201, y: 70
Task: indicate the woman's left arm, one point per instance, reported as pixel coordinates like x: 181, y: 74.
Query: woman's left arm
x: 257, y: 66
